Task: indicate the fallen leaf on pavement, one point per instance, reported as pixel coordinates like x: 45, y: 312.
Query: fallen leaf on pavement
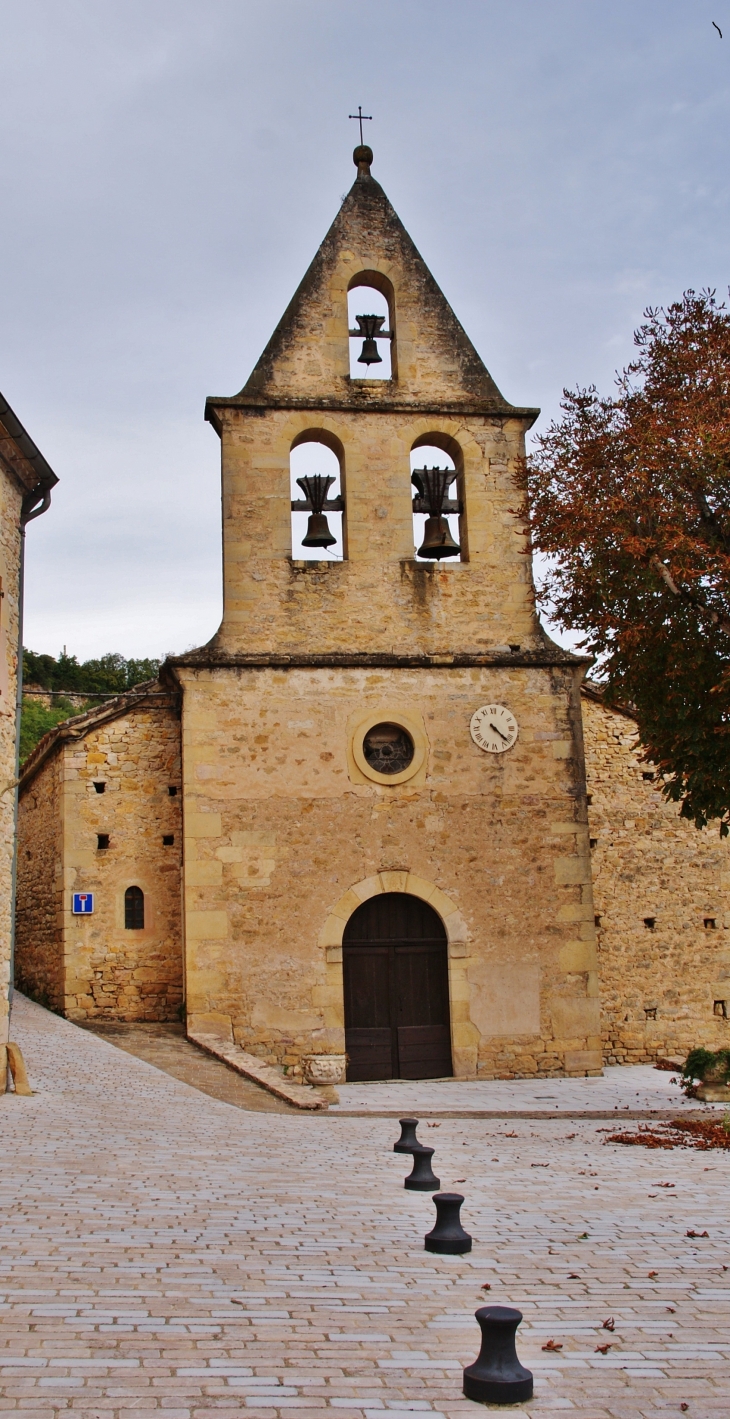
x: 698, y: 1234
x: 652, y: 1273
x: 487, y: 1286
x: 553, y: 1345
x: 602, y: 1349
x: 609, y: 1324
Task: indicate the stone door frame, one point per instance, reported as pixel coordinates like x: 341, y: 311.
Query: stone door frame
x: 464, y: 1035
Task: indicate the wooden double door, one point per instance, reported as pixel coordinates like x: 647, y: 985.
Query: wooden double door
x: 396, y: 980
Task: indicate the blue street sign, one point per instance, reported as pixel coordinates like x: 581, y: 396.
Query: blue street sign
x: 83, y: 903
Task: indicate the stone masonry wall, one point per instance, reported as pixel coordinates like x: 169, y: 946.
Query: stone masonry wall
x: 661, y: 984
x: 284, y: 838
x: 379, y: 599
x: 10, y: 501
x: 110, y: 971
x: 39, y: 966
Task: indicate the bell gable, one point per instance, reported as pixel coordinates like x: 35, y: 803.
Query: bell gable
x: 307, y: 358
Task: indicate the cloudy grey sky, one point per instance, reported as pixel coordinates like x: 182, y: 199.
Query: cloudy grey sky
x: 170, y: 166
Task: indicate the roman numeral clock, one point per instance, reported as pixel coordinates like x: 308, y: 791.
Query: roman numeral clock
x: 494, y: 728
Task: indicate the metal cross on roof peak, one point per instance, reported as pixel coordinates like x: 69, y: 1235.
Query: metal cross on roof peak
x: 361, y: 118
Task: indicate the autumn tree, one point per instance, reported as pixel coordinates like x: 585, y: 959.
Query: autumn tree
x: 629, y: 497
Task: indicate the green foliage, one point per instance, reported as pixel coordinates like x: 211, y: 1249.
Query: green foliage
x: 36, y: 720
x: 630, y: 499
x: 701, y: 1063
x: 110, y: 675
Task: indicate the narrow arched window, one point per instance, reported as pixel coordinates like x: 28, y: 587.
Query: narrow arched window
x: 436, y: 533
x: 369, y: 319
x: 316, y: 478
x: 134, y: 909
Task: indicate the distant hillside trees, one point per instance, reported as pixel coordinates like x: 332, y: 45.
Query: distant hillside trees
x: 110, y: 675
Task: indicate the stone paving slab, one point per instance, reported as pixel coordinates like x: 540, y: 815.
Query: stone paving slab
x: 166, y: 1253
x: 636, y: 1090
x: 166, y: 1046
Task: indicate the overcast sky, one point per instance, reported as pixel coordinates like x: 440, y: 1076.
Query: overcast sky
x: 169, y: 168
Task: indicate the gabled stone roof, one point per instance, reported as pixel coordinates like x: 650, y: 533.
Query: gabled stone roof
x: 149, y: 693
x: 306, y: 361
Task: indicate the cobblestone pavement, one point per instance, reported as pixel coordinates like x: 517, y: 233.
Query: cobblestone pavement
x: 166, y: 1046
x: 163, y: 1251
x: 639, y: 1088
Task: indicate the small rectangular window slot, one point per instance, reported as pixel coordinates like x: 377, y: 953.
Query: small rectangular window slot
x: 593, y: 842
x: 597, y: 919
x: 650, y: 1012
x: 589, y: 799
x: 172, y: 790
x: 650, y: 922
x: 719, y: 1007
x: 515, y: 647
x: 100, y: 787
x: 168, y: 839
x: 102, y: 840
x: 648, y: 778
x: 710, y: 923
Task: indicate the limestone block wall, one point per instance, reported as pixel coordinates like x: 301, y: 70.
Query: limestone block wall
x: 39, y: 936
x: 10, y: 502
x: 110, y: 971
x: 379, y: 599
x: 283, y: 839
x: 661, y: 984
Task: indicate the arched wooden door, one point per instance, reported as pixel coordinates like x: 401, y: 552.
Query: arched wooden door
x: 396, y: 979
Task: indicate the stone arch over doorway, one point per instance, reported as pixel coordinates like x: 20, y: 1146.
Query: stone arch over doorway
x: 464, y: 1034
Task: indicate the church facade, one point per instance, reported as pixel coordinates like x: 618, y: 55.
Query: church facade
x: 375, y: 773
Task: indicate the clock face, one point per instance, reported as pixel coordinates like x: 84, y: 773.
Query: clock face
x: 493, y: 728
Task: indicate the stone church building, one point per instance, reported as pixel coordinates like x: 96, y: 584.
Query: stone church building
x: 357, y: 822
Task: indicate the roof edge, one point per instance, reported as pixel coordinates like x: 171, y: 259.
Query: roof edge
x: 365, y: 403
x: 148, y: 692
x: 40, y: 473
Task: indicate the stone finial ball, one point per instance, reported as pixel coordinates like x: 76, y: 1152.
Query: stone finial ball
x: 362, y: 154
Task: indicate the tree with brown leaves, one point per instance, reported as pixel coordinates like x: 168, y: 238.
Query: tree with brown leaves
x: 629, y: 497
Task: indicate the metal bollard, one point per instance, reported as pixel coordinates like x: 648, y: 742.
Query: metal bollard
x: 448, y: 1236
x: 407, y: 1141
x: 497, y: 1377
x: 422, y: 1178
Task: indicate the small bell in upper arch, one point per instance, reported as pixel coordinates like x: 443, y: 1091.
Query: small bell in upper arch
x: 437, y: 540
x: 369, y: 326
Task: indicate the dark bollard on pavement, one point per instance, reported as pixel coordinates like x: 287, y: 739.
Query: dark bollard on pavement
x: 407, y: 1141
x: 497, y: 1377
x: 422, y: 1178
x: 448, y: 1236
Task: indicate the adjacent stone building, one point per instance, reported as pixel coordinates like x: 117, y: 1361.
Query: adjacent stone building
x: 661, y: 890
x: 389, y: 851
x: 25, y: 492
x: 100, y: 816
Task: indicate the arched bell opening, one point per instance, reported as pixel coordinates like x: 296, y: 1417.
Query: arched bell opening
x: 396, y: 990
x: 317, y: 507
x: 370, y: 316
x: 436, y: 485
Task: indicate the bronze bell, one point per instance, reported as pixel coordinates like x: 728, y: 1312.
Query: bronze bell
x: 315, y: 488
x: 437, y: 540
x: 432, y: 486
x: 318, y: 532
x: 369, y: 327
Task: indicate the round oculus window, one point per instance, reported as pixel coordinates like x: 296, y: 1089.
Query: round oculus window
x: 388, y: 748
